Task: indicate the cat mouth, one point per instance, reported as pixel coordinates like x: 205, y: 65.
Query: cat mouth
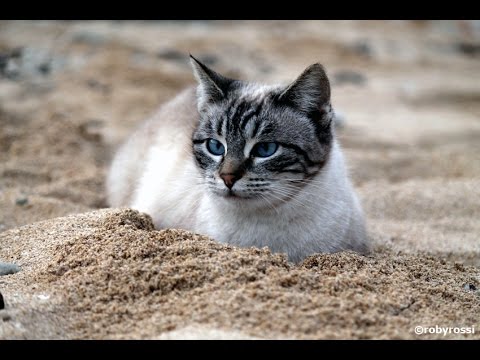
x: 232, y: 195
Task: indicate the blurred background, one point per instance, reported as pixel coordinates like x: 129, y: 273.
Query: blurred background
x: 409, y: 91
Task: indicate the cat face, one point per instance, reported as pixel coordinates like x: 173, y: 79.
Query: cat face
x: 257, y: 144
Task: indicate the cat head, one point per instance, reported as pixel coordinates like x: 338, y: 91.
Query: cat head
x: 259, y: 144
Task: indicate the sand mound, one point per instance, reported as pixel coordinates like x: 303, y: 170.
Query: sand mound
x: 108, y: 274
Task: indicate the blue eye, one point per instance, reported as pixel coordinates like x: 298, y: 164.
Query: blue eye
x: 264, y: 149
x: 215, y: 147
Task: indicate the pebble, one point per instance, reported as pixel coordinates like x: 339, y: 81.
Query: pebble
x: 23, y: 200
x: 349, y: 77
x: 91, y: 130
x: 468, y: 49
x: 362, y: 48
x: 89, y: 38
x: 469, y: 287
x: 29, y: 63
x: 182, y: 57
x: 209, y: 59
x: 7, y: 268
x: 6, y: 58
x: 173, y: 55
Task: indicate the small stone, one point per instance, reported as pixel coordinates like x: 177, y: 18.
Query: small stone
x: 23, y: 200
x: 468, y: 49
x: 7, y: 268
x: 172, y: 55
x: 44, y: 68
x: 362, y: 48
x: 89, y: 38
x: 43, y: 297
x: 97, y: 85
x: 209, y: 59
x: 91, y: 130
x: 11, y: 70
x: 349, y: 77
x: 29, y: 63
x: 6, y: 59
x: 469, y: 287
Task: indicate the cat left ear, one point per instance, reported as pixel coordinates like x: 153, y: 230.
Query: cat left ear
x: 212, y: 86
x: 310, y: 92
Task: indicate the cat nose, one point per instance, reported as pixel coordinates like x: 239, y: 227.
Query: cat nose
x: 230, y: 179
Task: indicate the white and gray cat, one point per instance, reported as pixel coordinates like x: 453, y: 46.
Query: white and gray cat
x: 247, y: 164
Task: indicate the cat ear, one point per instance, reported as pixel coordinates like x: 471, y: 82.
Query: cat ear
x: 310, y: 92
x: 212, y: 86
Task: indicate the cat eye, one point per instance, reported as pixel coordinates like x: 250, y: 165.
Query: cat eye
x: 215, y: 147
x: 264, y: 149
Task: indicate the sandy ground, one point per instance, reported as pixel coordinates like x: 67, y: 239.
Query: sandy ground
x: 71, y: 91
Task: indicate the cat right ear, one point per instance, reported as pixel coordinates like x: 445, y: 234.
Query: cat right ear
x: 309, y: 93
x: 212, y: 87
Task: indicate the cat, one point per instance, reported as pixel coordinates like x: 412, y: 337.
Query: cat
x: 245, y: 163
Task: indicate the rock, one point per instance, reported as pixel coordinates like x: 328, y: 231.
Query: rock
x: 99, y: 86
x: 7, y: 268
x: 44, y: 68
x: 28, y: 62
x: 8, y: 67
x: 209, y: 59
x: 2, y: 303
x: 182, y: 57
x: 90, y: 38
x: 173, y: 55
x: 349, y: 77
x: 362, y: 48
x: 468, y: 49
x: 91, y: 130
x: 23, y: 200
x: 5, y: 316
x: 469, y: 287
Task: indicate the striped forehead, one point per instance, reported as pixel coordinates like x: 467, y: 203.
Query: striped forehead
x: 242, y: 105
x: 241, y: 119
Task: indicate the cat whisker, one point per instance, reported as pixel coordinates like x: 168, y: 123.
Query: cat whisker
x: 285, y: 198
x: 269, y: 203
x: 325, y: 202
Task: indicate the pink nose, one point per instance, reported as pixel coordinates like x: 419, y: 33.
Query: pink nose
x: 229, y: 179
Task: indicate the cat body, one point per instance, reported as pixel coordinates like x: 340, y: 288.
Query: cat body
x: 247, y: 164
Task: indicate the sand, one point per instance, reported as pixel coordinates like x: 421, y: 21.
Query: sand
x: 112, y: 276
x: 410, y: 96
